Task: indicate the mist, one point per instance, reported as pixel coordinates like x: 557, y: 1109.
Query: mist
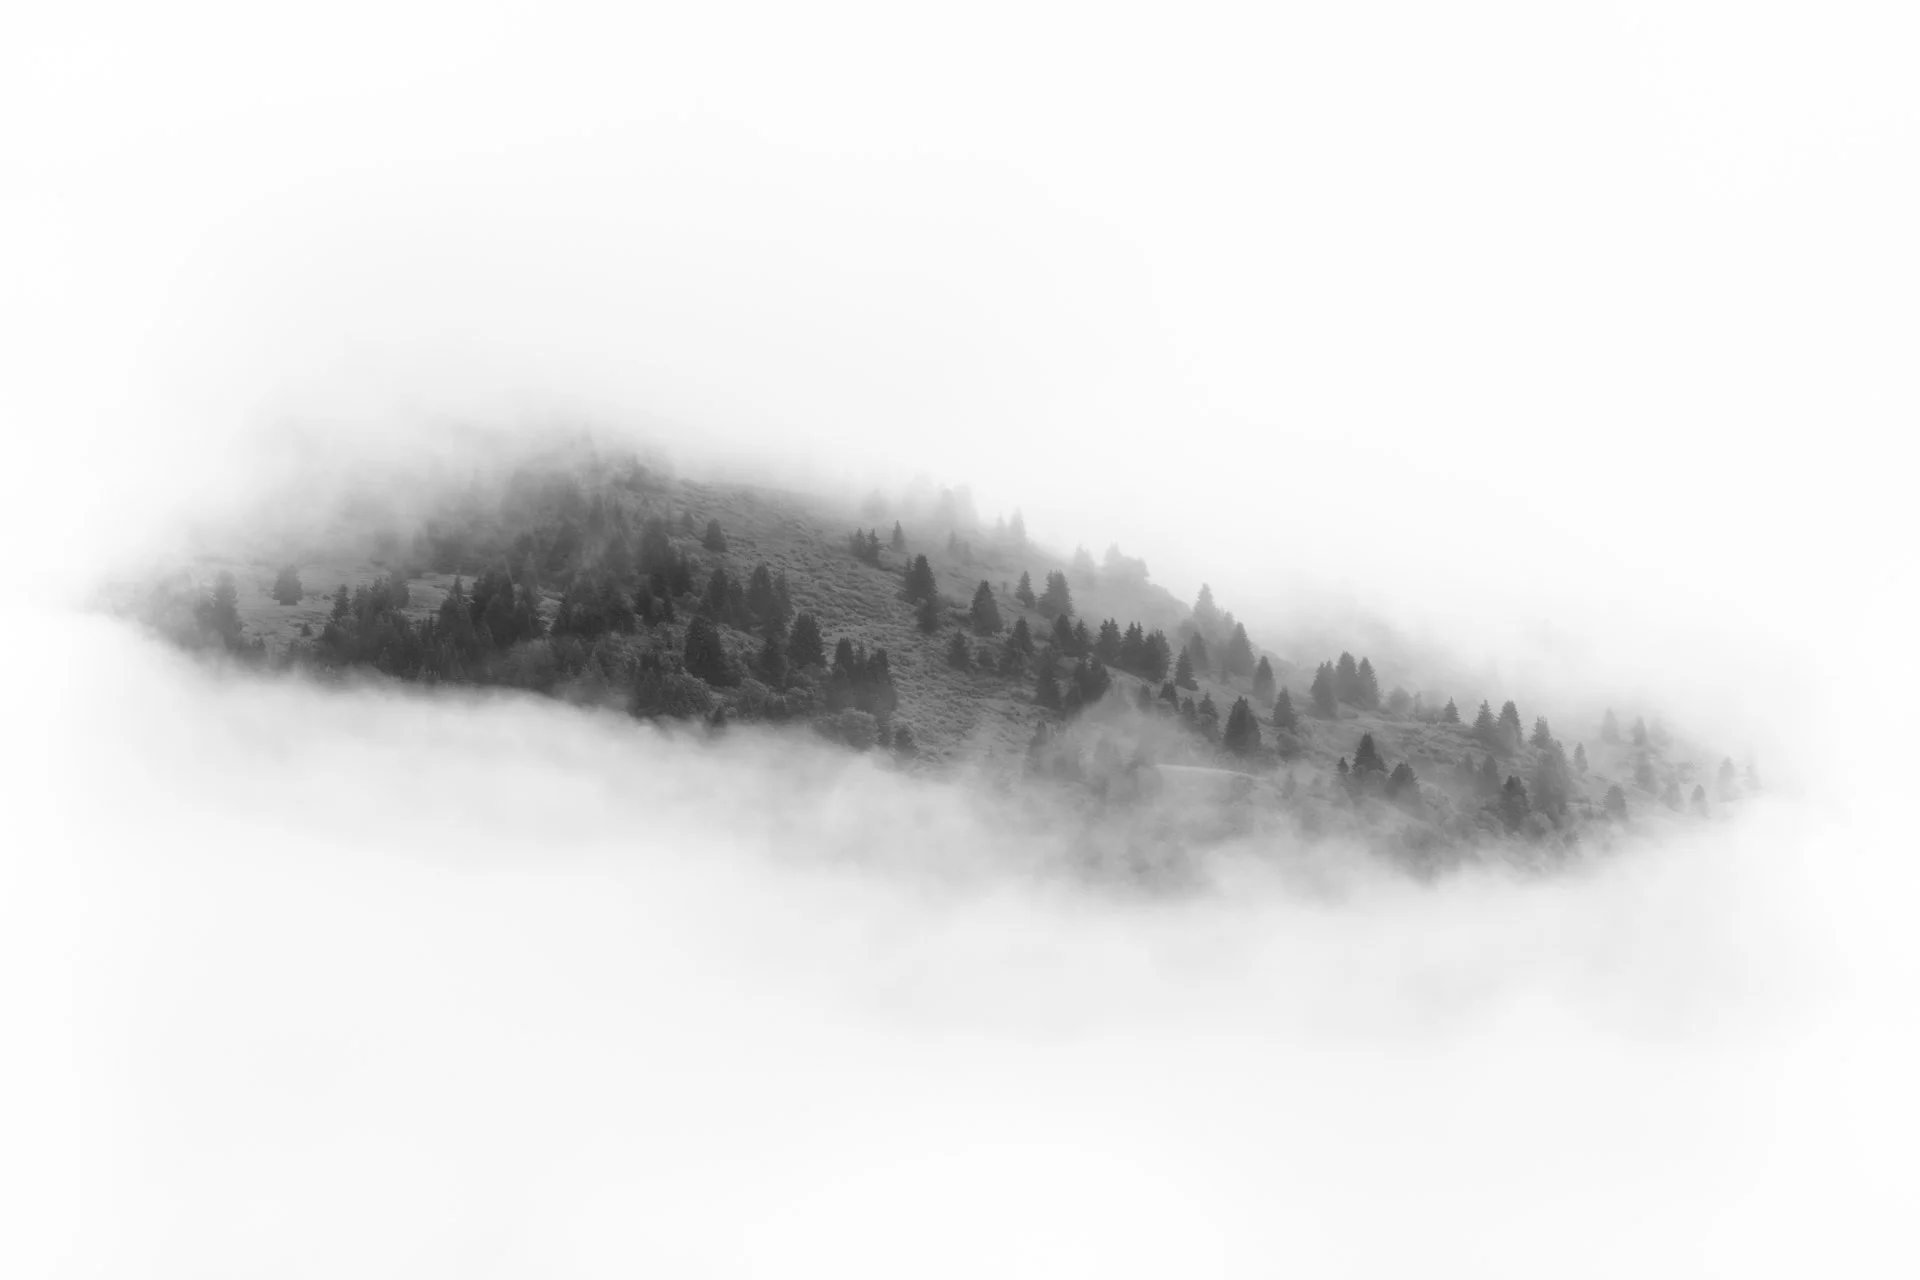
x: 1570, y: 344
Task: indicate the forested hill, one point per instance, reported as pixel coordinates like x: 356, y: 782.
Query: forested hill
x: 916, y: 629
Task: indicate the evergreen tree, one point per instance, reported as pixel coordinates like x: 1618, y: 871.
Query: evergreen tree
x: 1206, y: 614
x: 715, y: 541
x: 221, y: 612
x: 1207, y: 718
x: 1183, y: 672
x: 1169, y: 695
x: 1197, y: 653
x: 1485, y: 731
x: 1401, y: 784
x: 1283, y: 713
x: 1083, y: 564
x: 920, y: 585
x: 1699, y: 800
x: 686, y: 524
x: 286, y: 587
x: 1017, y: 532
x: 1046, y: 690
x: 1580, y: 757
x: 1346, y: 680
x: 1157, y: 656
x: 773, y: 657
x: 1024, y: 592
x: 904, y: 746
x: 343, y: 603
x: 1670, y: 795
x: 1643, y: 776
x: 899, y: 543
x: 1639, y: 732
x: 1063, y: 636
x: 1450, y: 714
x: 959, y: 653
x: 927, y: 616
x: 1342, y: 769
x: 1056, y: 601
x: 1726, y: 779
x: 1399, y: 701
x: 1513, y: 804
x: 1366, y: 758
x: 1133, y: 648
x: 703, y: 655
x: 985, y: 611
x: 1541, y: 738
x: 1325, y: 691
x: 1510, y: 732
x: 1610, y: 730
x: 1106, y: 645
x: 804, y: 646
x: 1238, y: 659
x: 1022, y: 639
x: 1616, y: 802
x: 1242, y: 736
x: 1263, y: 681
x: 1082, y: 640
x: 760, y: 599
x: 1366, y: 687
x: 1489, y: 777
x: 1552, y: 781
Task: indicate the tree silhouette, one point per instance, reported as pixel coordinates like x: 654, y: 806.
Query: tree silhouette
x: 1401, y: 784
x: 1580, y: 757
x: 1106, y: 645
x: 927, y: 616
x: 1283, y: 713
x: 1346, y: 680
x: 1263, y: 680
x: 1196, y: 652
x: 714, y: 541
x: 1542, y: 737
x: 286, y: 587
x: 1242, y: 735
x: 920, y: 584
x: 985, y: 611
x: 1156, y: 656
x: 959, y: 653
x: 1325, y: 691
x: 1616, y: 802
x: 1238, y: 658
x: 1485, y: 730
x: 703, y: 655
x: 1024, y: 592
x: 1021, y: 640
x: 1366, y: 687
x: 1609, y: 727
x: 1046, y: 690
x: 1057, y: 600
x: 1639, y: 732
x: 804, y: 646
x: 1510, y: 732
x: 899, y: 543
x: 1450, y: 714
x: 1366, y: 758
x: 1183, y: 672
x: 1513, y: 804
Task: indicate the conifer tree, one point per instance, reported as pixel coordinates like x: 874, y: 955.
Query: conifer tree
x: 1552, y: 781
x: 1542, y: 737
x: 1346, y: 680
x: 1342, y: 769
x: 1283, y: 713
x: 1169, y: 695
x: 1063, y: 636
x: 1263, y: 680
x: 1609, y: 728
x: 703, y: 654
x: 1699, y: 800
x: 1366, y: 687
x: 927, y: 616
x: 804, y: 646
x: 899, y: 543
x: 1639, y: 732
x: 920, y: 585
x: 760, y: 594
x: 1616, y: 802
x: 1450, y: 714
x: 1726, y: 779
x: 686, y: 523
x: 1485, y: 731
x: 1510, y: 731
x: 1197, y: 654
x: 959, y: 652
x: 714, y: 541
x: 1579, y: 757
x: 1643, y: 776
x: 1325, y: 691
x: 1670, y: 795
x: 343, y: 603
x: 1057, y: 600
x: 985, y: 611
x: 222, y: 611
x: 1017, y: 532
x: 1133, y: 648
x: 1399, y: 701
x: 904, y: 746
x: 1046, y: 690
x: 1183, y: 672
x: 773, y: 657
x: 1366, y: 758
x: 1106, y: 645
x: 1401, y: 784
x: 286, y: 587
x: 1021, y: 640
x: 1207, y: 717
x: 1489, y: 777
x: 1024, y: 592
x: 1513, y: 804
x: 1238, y: 658
x: 1157, y: 656
x: 1082, y: 641
x: 1242, y: 735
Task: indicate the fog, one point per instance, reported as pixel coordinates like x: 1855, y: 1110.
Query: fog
x: 1570, y: 342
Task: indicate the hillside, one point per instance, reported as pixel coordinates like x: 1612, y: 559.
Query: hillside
x: 599, y: 547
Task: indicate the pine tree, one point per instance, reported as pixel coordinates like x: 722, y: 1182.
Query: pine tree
x: 1242, y: 736
x: 714, y: 541
x: 1643, y: 776
x: 1510, y: 731
x: 1263, y: 681
x: 1489, y: 777
x: 927, y: 616
x: 1024, y: 592
x: 1021, y: 640
x: 222, y: 610
x: 1699, y: 800
x: 1580, y: 757
x: 1485, y: 731
x: 1082, y: 641
x: 1238, y: 659
x: 1639, y: 732
x: 804, y: 646
x: 1157, y: 657
x: 959, y: 652
x: 1513, y: 804
x: 1169, y: 695
x: 1552, y: 781
x: 286, y: 587
x: 1616, y: 802
x: 1450, y: 714
x: 1346, y: 680
x: 1401, y: 784
x: 1207, y: 717
x: 1133, y: 648
x: 1399, y: 702
x: 1017, y: 532
x: 1325, y: 691
x: 1610, y: 730
x: 899, y: 542
x: 1366, y: 687
x: 904, y: 746
x: 1057, y: 600
x: 1046, y: 690
x: 985, y: 611
x: 1542, y: 737
x: 703, y: 654
x: 1726, y: 779
x: 1197, y: 654
x: 920, y: 585
x: 1183, y: 672
x: 1106, y: 645
x: 343, y: 603
x: 1283, y: 713
x: 1366, y: 758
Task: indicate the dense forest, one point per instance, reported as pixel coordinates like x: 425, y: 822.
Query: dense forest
x: 923, y: 634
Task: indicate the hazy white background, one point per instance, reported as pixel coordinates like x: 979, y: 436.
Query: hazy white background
x: 1522, y: 324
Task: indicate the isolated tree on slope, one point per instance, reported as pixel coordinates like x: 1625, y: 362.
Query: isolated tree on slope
x: 804, y: 645
x: 1283, y: 713
x: 1401, y: 783
x: 1263, y: 681
x: 1580, y: 757
x: 899, y: 543
x: 1021, y: 640
x: 1639, y: 732
x: 1106, y: 645
x: 1057, y: 600
x: 1366, y: 686
x: 1542, y: 736
x: 927, y: 616
x: 1346, y: 680
x: 1156, y: 656
x: 715, y: 541
x: 286, y: 587
x: 1510, y: 731
x: 920, y: 585
x: 1450, y: 714
x: 1513, y: 804
x: 1046, y: 690
x: 1024, y: 592
x: 1197, y: 653
x: 1324, y: 691
x: 1366, y: 758
x: 1242, y: 735
x: 959, y: 653
x: 1485, y: 730
x: 1183, y: 672
x: 985, y: 611
x: 1238, y: 659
